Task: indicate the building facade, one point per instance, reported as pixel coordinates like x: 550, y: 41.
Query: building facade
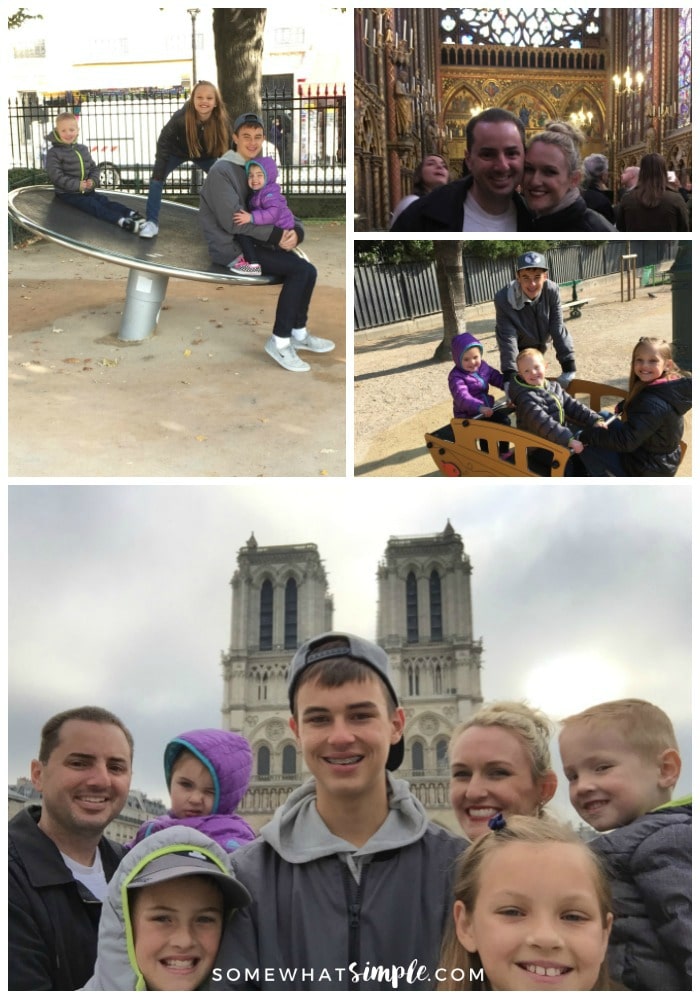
x: 280, y: 598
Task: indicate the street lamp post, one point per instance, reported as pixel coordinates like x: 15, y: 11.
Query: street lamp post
x: 193, y: 11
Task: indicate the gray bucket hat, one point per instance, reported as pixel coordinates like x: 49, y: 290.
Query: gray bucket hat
x: 363, y: 651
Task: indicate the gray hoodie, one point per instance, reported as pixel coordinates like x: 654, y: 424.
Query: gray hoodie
x: 325, y: 912
x: 116, y: 968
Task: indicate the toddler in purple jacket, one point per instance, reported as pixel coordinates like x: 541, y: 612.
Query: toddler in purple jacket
x: 207, y: 772
x: 266, y: 206
x: 470, y: 379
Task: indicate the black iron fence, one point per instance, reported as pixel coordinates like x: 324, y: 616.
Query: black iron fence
x: 304, y: 132
x: 393, y: 293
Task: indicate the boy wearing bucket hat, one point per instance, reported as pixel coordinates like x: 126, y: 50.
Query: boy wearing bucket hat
x: 163, y: 917
x: 349, y: 875
x: 529, y: 314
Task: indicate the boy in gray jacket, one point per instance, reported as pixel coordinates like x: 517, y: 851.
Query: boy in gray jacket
x: 622, y: 763
x: 75, y: 176
x: 351, y: 883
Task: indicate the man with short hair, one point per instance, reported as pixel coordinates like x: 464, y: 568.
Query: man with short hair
x: 628, y: 179
x: 224, y: 193
x: 59, y: 860
x: 349, y: 877
x: 529, y: 314
x: 486, y: 200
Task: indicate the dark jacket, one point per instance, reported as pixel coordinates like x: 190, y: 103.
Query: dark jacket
x: 600, y: 201
x: 649, y: 865
x: 577, y: 217
x: 520, y: 324
x: 53, y: 919
x: 67, y: 163
x: 671, y: 215
x: 649, y: 439
x: 443, y: 210
x: 544, y: 410
x: 172, y: 141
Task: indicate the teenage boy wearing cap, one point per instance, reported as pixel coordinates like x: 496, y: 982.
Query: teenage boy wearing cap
x: 529, y: 314
x: 224, y: 193
x: 349, y: 875
x: 163, y: 917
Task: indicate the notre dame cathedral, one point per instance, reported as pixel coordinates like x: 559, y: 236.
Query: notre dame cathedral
x: 424, y: 622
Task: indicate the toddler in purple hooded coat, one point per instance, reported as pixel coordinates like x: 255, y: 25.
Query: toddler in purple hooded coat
x: 266, y: 206
x: 207, y: 772
x: 470, y: 378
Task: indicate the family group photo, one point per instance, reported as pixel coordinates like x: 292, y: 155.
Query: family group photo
x: 322, y: 761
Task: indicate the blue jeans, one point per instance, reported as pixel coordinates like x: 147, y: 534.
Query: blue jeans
x: 97, y: 205
x: 299, y: 279
x: 155, y: 188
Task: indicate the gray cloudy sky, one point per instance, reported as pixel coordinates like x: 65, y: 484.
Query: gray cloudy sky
x: 120, y: 596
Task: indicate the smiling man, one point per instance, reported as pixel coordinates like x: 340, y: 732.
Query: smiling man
x: 59, y: 860
x: 486, y: 200
x: 349, y: 877
x: 529, y: 314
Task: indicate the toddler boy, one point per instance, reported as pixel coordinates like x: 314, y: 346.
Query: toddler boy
x: 622, y: 762
x: 75, y: 175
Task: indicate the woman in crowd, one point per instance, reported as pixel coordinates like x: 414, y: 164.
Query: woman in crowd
x: 652, y: 206
x: 431, y: 172
x: 594, y: 186
x: 551, y: 183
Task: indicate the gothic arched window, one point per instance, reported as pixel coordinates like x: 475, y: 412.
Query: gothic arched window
x: 266, y: 615
x: 289, y: 761
x: 263, y: 762
x: 290, y: 614
x: 435, y: 607
x: 684, y: 66
x: 411, y: 608
x: 417, y: 758
x: 441, y: 756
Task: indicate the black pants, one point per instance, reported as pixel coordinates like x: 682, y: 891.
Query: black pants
x: 299, y: 280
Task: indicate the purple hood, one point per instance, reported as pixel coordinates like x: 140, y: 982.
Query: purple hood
x: 226, y: 755
x: 462, y: 342
x: 268, y: 167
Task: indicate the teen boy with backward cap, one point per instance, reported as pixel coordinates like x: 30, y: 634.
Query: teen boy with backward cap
x: 349, y: 877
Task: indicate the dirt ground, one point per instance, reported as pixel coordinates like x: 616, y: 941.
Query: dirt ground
x: 401, y: 393
x: 200, y: 398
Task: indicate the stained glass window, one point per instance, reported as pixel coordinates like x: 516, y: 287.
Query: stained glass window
x: 519, y: 26
x: 684, y: 76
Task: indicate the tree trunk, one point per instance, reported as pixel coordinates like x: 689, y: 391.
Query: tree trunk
x: 238, y: 43
x: 450, y: 279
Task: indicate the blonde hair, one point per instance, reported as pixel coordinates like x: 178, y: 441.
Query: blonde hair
x: 518, y: 829
x: 565, y: 137
x: 530, y: 725
x: 64, y: 116
x: 664, y: 350
x: 216, y: 130
x: 647, y: 729
x: 529, y: 352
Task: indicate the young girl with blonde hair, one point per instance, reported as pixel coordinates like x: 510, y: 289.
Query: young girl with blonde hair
x: 199, y: 132
x: 646, y: 438
x: 532, y: 912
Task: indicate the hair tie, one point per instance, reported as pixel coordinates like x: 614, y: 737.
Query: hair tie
x: 497, y: 823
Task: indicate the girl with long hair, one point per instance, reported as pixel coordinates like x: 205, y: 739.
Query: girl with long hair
x: 645, y: 440
x: 199, y: 132
x: 532, y: 912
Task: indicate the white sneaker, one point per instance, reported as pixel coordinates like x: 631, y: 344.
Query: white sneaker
x: 315, y: 343
x: 286, y: 356
x: 149, y: 230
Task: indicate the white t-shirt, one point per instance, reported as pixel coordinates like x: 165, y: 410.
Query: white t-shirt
x: 477, y: 220
x: 92, y: 877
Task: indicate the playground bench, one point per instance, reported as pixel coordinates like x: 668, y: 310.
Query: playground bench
x: 576, y: 303
x: 179, y: 250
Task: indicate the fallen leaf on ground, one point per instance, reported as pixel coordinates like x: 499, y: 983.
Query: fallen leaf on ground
x: 108, y: 362
x: 186, y: 352
x: 200, y: 437
x: 72, y: 360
